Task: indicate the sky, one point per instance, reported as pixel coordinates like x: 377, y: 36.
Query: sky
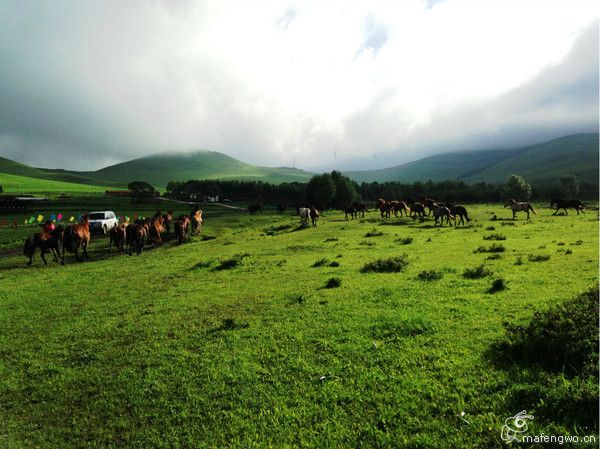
x: 317, y: 85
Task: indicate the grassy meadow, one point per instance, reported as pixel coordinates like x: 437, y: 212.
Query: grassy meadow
x: 261, y: 333
x: 26, y: 184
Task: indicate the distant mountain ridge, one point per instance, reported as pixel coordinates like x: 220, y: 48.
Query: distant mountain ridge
x: 569, y: 155
x: 545, y: 162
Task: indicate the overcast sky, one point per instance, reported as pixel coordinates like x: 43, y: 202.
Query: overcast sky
x: 375, y: 83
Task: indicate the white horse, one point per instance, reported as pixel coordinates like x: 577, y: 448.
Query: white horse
x: 304, y: 213
x: 519, y: 207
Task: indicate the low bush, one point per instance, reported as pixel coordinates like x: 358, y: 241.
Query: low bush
x: 391, y: 265
x: 476, y: 273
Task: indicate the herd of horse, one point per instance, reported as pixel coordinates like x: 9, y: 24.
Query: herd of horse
x: 132, y: 237
x: 126, y: 237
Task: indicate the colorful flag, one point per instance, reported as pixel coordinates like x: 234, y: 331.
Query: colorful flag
x: 72, y: 218
x: 52, y: 217
x: 31, y: 220
x: 79, y: 217
x: 40, y: 218
x: 59, y: 217
x: 25, y: 222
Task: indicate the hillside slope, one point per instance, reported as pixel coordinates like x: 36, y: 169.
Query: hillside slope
x: 159, y: 169
x: 575, y: 154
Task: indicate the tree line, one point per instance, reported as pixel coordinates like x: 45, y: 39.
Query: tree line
x: 334, y: 190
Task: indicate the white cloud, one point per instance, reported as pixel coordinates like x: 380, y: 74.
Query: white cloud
x: 269, y: 82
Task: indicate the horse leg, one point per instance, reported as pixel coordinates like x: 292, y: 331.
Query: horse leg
x: 43, y: 254
x: 566, y: 211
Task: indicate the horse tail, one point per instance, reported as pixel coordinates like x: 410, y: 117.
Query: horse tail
x: 532, y: 209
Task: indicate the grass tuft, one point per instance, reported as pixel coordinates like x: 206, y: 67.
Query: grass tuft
x: 333, y: 283
x: 431, y: 275
x: 495, y: 248
x: 391, y: 265
x: 538, y: 257
x: 476, y: 273
x: 497, y: 286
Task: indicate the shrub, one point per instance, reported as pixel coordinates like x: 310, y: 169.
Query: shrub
x: 320, y: 263
x: 495, y: 237
x: 391, y: 265
x: 373, y: 233
x: 231, y: 263
x: 431, y: 275
x: 334, y: 264
x: 538, y: 258
x: 497, y: 286
x: 495, y: 248
x: 564, y: 337
x: 493, y: 257
x: 476, y: 273
x: 333, y: 283
x: 405, y: 240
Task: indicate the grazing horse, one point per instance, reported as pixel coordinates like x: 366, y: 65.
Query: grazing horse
x: 314, y: 214
x: 564, y: 204
x: 255, y: 208
x: 304, y: 213
x: 135, y: 233
x: 360, y: 208
x: 442, y: 213
x: 167, y: 222
x: 281, y: 208
x: 417, y: 209
x: 117, y: 236
x: 350, y: 211
x: 196, y: 222
x: 75, y: 236
x: 46, y: 241
x: 519, y: 207
x: 181, y: 227
x: 461, y: 211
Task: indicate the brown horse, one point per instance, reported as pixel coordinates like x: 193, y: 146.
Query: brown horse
x: 156, y: 230
x: 181, y: 228
x: 442, y: 213
x: 385, y: 207
x: 167, y: 222
x: 461, y: 211
x: 135, y: 234
x: 400, y: 206
x: 117, y: 236
x: 417, y: 209
x: 519, y: 207
x: 314, y: 214
x: 47, y: 241
x: 75, y: 236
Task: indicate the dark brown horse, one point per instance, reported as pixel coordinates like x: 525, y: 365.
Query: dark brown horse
x: 314, y: 215
x: 417, y: 209
x: 350, y: 211
x: 117, y: 236
x: 47, y: 241
x: 255, y: 208
x: 564, y: 204
x: 442, y: 213
x: 74, y: 237
x: 135, y: 235
x: 461, y: 211
x: 360, y: 208
x: 167, y: 222
x: 181, y: 228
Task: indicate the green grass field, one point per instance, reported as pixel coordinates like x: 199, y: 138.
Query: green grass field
x: 235, y: 340
x: 25, y: 184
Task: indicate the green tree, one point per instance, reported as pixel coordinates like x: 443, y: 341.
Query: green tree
x: 1, y: 189
x: 140, y: 187
x: 320, y: 191
x: 569, y: 186
x: 345, y: 192
x: 517, y: 188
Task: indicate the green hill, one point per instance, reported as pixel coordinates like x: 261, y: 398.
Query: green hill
x: 570, y: 155
x: 29, y: 184
x: 159, y: 169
